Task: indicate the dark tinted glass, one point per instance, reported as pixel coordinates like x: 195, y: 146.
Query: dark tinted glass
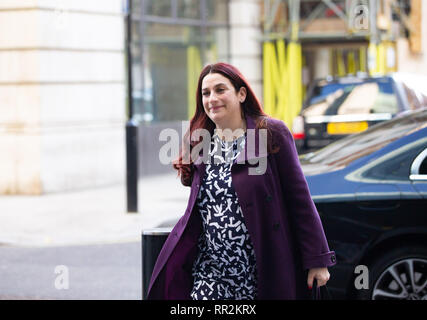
x: 423, y: 167
x: 396, y: 166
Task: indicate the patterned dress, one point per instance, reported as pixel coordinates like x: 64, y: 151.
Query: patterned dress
x: 225, y: 267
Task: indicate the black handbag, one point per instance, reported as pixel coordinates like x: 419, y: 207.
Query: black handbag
x: 320, y: 293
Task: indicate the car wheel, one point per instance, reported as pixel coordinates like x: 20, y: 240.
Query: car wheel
x: 400, y: 274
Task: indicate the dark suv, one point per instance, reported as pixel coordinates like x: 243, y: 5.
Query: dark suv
x: 337, y: 107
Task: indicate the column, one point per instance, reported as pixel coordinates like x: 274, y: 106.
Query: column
x: 245, y: 44
x: 62, y: 95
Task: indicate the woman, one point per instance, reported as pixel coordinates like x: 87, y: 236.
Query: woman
x: 244, y: 235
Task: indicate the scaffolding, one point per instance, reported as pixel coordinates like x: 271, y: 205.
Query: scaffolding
x: 289, y: 24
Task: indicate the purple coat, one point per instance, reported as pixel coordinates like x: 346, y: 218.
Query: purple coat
x: 280, y: 216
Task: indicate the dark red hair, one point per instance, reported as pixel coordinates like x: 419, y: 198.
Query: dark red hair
x: 250, y: 107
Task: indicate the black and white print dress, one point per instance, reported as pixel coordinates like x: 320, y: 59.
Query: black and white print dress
x: 225, y: 267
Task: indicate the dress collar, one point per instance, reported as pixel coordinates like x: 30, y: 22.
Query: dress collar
x: 251, y: 145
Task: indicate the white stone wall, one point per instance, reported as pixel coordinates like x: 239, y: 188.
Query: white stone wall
x: 245, y: 44
x: 62, y: 95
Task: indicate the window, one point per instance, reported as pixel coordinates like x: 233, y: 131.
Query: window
x: 189, y: 9
x: 423, y: 167
x: 398, y: 165
x: 160, y: 8
x: 171, y: 44
x: 419, y: 166
x: 416, y: 99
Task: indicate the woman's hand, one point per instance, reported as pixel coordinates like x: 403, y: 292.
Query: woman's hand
x: 321, y: 274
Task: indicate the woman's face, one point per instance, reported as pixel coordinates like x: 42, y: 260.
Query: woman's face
x: 220, y: 99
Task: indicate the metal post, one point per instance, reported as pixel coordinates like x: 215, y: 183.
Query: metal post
x: 294, y: 8
x: 373, y: 12
x: 203, y: 14
x: 131, y: 126
x: 132, y: 166
x: 374, y: 38
x: 152, y: 243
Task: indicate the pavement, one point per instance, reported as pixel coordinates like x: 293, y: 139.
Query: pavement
x: 92, y: 216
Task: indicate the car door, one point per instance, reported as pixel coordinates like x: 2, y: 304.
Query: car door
x: 388, y: 199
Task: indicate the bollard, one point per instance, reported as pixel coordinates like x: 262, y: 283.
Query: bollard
x: 132, y: 166
x: 152, y: 243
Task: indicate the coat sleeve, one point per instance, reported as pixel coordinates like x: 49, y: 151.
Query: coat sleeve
x: 307, y: 225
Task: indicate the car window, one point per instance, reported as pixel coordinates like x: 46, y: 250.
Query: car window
x: 413, y: 101
x: 363, y: 97
x: 423, y: 167
x: 397, y: 166
x: 344, y: 151
x: 416, y: 99
x: 419, y: 166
